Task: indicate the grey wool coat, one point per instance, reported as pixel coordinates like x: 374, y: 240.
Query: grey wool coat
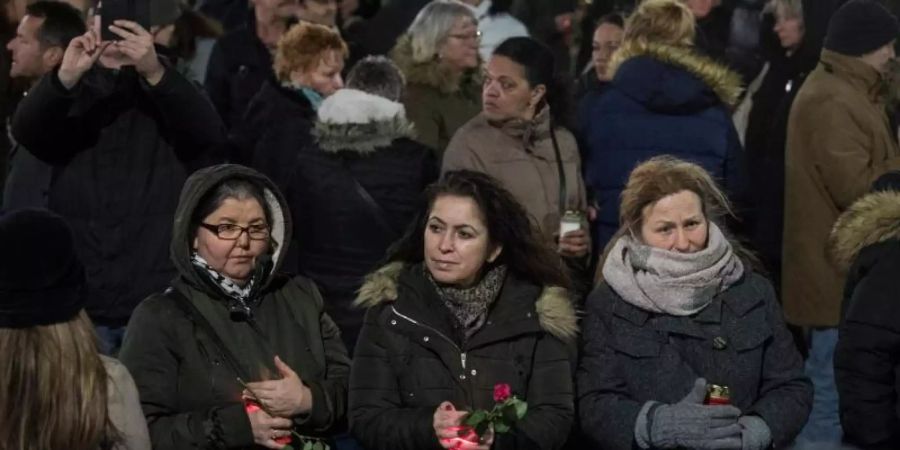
x: 631, y: 356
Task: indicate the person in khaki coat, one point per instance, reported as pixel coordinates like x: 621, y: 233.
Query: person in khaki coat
x: 439, y: 57
x: 839, y: 142
x: 512, y: 141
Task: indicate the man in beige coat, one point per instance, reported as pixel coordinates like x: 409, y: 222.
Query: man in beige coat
x: 839, y: 142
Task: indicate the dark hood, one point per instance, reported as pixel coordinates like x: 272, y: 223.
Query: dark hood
x: 196, y: 187
x: 816, y: 14
x: 674, y: 80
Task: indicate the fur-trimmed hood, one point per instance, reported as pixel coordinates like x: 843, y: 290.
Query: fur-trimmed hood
x: 873, y: 219
x: 430, y: 73
x: 666, y: 77
x: 352, y: 120
x: 554, y: 308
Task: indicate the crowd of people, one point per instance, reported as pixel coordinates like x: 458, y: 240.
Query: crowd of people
x: 363, y: 224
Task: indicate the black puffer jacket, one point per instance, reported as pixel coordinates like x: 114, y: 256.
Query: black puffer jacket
x: 189, y: 392
x: 866, y: 242
x: 364, y: 139
x: 406, y: 363
x: 120, y: 151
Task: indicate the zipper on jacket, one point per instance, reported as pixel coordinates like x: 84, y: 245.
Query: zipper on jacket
x: 462, y: 354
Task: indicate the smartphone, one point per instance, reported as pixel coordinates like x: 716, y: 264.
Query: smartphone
x: 570, y: 221
x: 112, y: 10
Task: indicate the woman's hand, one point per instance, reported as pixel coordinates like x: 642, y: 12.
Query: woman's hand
x: 267, y: 428
x: 286, y: 397
x: 453, y: 435
x: 575, y: 244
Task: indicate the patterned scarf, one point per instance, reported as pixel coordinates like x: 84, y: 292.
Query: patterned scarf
x: 680, y: 284
x: 227, y: 285
x: 469, y: 305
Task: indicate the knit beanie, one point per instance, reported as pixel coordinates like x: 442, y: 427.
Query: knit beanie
x: 41, y: 278
x: 163, y: 12
x: 860, y: 27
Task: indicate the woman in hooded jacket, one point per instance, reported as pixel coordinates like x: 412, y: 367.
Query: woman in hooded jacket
x: 665, y: 98
x: 364, y: 177
x: 792, y: 36
x: 235, y: 354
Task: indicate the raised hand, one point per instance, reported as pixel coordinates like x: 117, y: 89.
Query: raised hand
x: 286, y: 397
x: 137, y: 49
x: 80, y: 56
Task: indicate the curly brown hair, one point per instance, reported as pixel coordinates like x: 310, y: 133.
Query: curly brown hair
x: 303, y: 46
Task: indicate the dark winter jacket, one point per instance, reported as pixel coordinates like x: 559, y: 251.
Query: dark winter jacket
x: 437, y: 101
x: 238, y: 66
x: 378, y: 35
x: 120, y: 151
x: 631, y: 356
x: 190, y: 394
x: 278, y: 123
x: 866, y: 243
x: 27, y: 182
x: 364, y: 139
x: 406, y: 363
x: 767, y: 127
x: 665, y: 100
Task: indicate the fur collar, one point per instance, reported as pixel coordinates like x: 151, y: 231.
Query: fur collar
x: 725, y: 83
x: 872, y: 219
x: 555, y: 311
x: 430, y: 73
x: 357, y: 121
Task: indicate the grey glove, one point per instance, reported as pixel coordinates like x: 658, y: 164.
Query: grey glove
x: 756, y: 434
x: 689, y: 423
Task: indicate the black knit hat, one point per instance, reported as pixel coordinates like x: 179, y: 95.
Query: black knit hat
x: 860, y: 27
x: 41, y: 279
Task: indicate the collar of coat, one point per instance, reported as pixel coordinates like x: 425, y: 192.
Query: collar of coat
x: 556, y: 314
x: 724, y: 82
x: 859, y: 74
x: 431, y: 73
x: 352, y: 120
x: 873, y: 219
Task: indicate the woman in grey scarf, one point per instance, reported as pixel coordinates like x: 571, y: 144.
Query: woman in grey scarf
x: 680, y: 314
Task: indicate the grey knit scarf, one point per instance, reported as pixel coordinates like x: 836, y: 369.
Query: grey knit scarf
x: 680, y: 284
x: 469, y: 305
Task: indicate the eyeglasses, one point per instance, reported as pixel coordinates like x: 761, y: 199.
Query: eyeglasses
x: 231, y: 231
x: 476, y: 36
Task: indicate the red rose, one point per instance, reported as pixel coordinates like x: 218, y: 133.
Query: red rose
x: 502, y: 392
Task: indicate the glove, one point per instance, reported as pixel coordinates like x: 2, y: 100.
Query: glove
x: 756, y: 434
x: 689, y: 423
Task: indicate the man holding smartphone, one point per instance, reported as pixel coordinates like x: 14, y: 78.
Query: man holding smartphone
x: 122, y: 131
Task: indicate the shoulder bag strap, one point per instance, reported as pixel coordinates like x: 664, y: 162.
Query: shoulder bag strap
x: 197, y: 318
x: 562, y: 172
x: 376, y: 209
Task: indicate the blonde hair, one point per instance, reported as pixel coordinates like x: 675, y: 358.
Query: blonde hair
x: 432, y: 26
x: 660, y: 177
x: 303, y: 46
x: 53, y: 388
x: 665, y: 22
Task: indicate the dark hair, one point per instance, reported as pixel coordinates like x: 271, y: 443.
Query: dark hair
x: 524, y: 249
x: 190, y: 26
x: 540, y: 68
x: 611, y: 19
x: 377, y: 75
x: 62, y: 22
x: 237, y: 188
